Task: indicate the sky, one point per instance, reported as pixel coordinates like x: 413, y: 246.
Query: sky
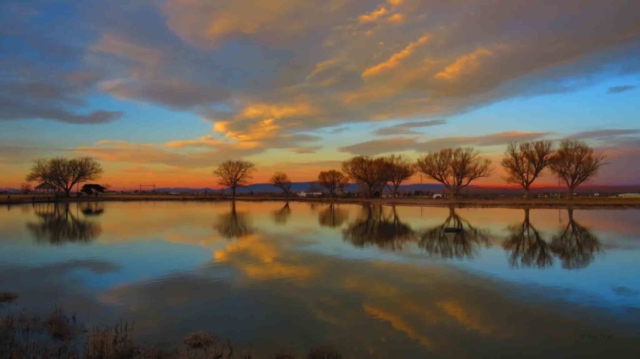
x: 161, y: 92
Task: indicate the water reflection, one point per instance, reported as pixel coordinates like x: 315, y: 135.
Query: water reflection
x: 281, y: 216
x: 332, y: 216
x: 454, y: 238
x: 233, y: 224
x: 526, y: 247
x: 377, y: 226
x: 575, y: 245
x: 93, y: 208
x: 57, y: 225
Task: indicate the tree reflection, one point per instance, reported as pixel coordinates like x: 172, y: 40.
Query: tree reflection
x: 526, y: 246
x: 455, y: 238
x: 332, y: 216
x: 233, y: 224
x: 93, y: 208
x: 281, y: 216
x: 575, y: 245
x: 58, y: 225
x: 377, y: 227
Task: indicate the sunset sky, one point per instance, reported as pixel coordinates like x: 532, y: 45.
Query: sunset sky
x: 163, y: 91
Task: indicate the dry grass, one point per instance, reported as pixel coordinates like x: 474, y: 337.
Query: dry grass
x: 59, y: 336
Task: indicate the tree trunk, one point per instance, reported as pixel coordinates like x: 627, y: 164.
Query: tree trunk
x: 570, y: 194
x: 526, y: 193
x: 67, y: 192
x: 526, y: 216
x: 233, y: 193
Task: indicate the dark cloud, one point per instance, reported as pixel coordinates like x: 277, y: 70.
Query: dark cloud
x: 620, y: 89
x: 43, y: 75
x: 407, y: 128
x: 399, y: 144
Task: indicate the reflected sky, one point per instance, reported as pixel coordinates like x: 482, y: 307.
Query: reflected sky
x: 371, y: 281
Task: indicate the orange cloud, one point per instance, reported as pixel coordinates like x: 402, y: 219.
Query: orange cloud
x: 465, y: 64
x: 456, y: 311
x: 373, y: 16
x: 396, y: 18
x: 395, y: 59
x: 397, y: 323
x: 395, y: 2
x: 204, y: 141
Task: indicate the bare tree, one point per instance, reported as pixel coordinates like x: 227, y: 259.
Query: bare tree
x: 26, y: 188
x: 282, y: 181
x: 399, y: 169
x: 233, y: 174
x: 65, y: 173
x: 454, y: 168
x: 370, y: 172
x: 575, y: 162
x: 333, y: 181
x: 524, y: 162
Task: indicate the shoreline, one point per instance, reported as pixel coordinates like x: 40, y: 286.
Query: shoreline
x: 518, y: 203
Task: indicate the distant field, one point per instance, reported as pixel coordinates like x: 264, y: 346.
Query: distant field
x: 578, y: 202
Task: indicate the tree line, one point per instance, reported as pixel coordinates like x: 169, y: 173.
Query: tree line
x: 573, y: 162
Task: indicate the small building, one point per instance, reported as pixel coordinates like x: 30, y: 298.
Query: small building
x: 437, y: 195
x: 45, y: 188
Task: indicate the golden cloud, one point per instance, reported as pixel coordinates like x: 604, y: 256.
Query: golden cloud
x: 396, y: 58
x: 374, y: 15
x: 463, y: 65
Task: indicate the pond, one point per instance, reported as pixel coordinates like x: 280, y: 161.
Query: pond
x: 372, y: 282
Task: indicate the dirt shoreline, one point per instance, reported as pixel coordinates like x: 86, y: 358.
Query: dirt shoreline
x: 552, y: 203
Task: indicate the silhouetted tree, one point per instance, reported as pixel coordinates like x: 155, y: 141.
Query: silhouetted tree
x: 90, y: 189
x: 524, y: 162
x: 399, y: 169
x: 65, y: 173
x: 233, y: 224
x: 575, y: 245
x: 282, y: 181
x: 372, y: 173
x: 454, y: 168
x: 233, y: 174
x: 332, y: 216
x: 454, y: 238
x: 58, y: 225
x: 333, y: 181
x: 25, y: 188
x: 575, y: 162
x: 281, y: 216
x: 526, y: 246
x: 375, y: 227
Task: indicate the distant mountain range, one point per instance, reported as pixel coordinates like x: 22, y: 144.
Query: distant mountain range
x: 307, y: 187
x: 295, y: 187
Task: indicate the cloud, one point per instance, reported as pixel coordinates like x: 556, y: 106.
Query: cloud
x: 395, y: 59
x: 465, y: 64
x: 375, y: 147
x: 400, y: 144
x: 407, y: 128
x: 604, y: 134
x: 374, y: 15
x: 620, y: 89
x: 305, y: 150
x: 44, y: 76
x: 128, y: 152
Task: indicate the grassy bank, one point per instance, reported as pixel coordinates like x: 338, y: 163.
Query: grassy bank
x: 58, y: 335
x: 509, y: 202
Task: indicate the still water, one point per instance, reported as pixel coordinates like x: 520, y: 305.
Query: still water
x: 373, y: 282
